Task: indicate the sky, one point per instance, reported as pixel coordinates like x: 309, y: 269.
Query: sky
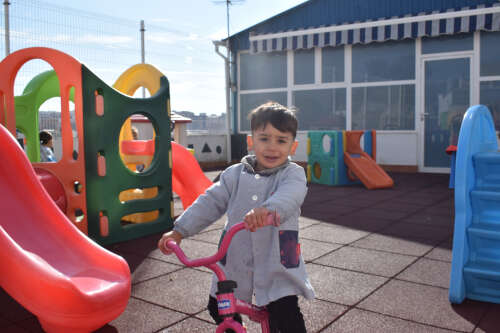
x: 194, y: 70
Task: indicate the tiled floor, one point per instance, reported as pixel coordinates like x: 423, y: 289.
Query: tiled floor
x: 379, y: 261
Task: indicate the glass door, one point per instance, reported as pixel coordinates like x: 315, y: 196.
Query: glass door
x: 447, y: 95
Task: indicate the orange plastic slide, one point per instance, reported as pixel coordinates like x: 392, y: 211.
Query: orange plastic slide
x: 51, y: 268
x: 188, y: 180
x: 368, y: 171
x: 362, y: 164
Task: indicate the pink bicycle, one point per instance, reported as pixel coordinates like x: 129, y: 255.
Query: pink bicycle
x: 228, y: 304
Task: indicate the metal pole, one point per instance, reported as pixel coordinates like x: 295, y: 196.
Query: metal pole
x: 228, y: 87
x: 228, y: 106
x: 6, y: 4
x: 143, y: 53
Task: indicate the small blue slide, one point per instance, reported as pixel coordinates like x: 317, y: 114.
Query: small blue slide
x: 475, y: 266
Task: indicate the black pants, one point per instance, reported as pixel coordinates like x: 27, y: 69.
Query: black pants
x: 284, y: 315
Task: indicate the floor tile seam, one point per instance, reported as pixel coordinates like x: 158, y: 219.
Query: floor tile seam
x: 163, y: 307
x: 483, y: 316
x: 419, y: 283
x: 429, y: 225
x: 323, y: 255
x: 158, y: 276
x: 320, y: 241
x: 169, y: 273
x: 386, y: 251
x: 361, y: 248
x: 353, y: 271
x: 407, y: 320
x: 420, y: 240
x: 163, y: 261
x: 406, y: 236
x: 193, y: 316
x: 356, y: 303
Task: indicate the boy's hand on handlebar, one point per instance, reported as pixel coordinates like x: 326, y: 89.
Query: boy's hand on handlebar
x: 260, y: 217
x: 171, y: 235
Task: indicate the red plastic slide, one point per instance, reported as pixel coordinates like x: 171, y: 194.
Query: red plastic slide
x: 188, y: 180
x: 69, y: 282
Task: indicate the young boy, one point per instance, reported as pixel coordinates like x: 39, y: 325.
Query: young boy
x: 265, y: 262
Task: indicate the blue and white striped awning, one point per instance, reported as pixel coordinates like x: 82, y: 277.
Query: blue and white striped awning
x: 434, y: 24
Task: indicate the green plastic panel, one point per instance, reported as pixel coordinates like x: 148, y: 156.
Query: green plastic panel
x: 326, y: 161
x: 101, y: 138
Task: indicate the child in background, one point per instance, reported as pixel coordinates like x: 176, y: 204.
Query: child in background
x: 46, y: 147
x: 264, y: 261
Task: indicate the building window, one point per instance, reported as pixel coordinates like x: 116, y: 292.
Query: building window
x: 321, y: 109
x: 490, y: 50
x: 303, y: 66
x: 384, y: 107
x: 248, y: 102
x: 454, y: 43
x: 489, y: 96
x: 332, y: 66
x: 263, y: 71
x: 389, y: 61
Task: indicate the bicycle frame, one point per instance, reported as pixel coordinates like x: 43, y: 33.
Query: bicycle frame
x: 228, y: 304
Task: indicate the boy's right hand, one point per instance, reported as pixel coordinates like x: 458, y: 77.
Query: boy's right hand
x: 171, y: 235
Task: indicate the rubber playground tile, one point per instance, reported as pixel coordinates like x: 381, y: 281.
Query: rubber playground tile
x: 312, y: 249
x: 341, y: 286
x: 305, y: 222
x: 431, y: 233
x: 185, y: 290
x: 369, y: 225
x: 417, y: 198
x: 332, y: 234
x: 212, y: 236
x: 440, y: 210
x: 140, y: 316
x: 441, y: 252
x: 327, y: 212
x: 190, y: 325
x: 376, y: 213
x: 360, y: 321
x: 141, y: 246
x: 491, y: 321
x: 367, y: 261
x: 424, y: 304
x: 11, y: 310
x: 17, y: 329
x: 429, y: 219
x: 405, y: 207
x: 426, y: 271
x: 351, y: 201
x: 193, y: 249
x: 147, y: 268
x: 318, y: 314
x: 409, y: 246
x: 378, y: 195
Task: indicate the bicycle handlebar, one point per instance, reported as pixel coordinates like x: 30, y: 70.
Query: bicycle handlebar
x: 272, y: 219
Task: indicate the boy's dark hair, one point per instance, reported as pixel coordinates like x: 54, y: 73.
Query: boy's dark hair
x: 45, y: 137
x: 282, y: 118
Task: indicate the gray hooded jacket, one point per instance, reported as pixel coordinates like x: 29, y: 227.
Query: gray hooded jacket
x: 267, y: 262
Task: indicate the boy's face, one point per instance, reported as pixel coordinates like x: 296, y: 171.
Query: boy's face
x: 271, y: 146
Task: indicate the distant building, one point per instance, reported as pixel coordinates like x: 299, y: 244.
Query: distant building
x: 214, y: 124
x: 408, y: 69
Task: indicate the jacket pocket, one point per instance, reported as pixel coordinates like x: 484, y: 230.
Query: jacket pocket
x: 289, y: 248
